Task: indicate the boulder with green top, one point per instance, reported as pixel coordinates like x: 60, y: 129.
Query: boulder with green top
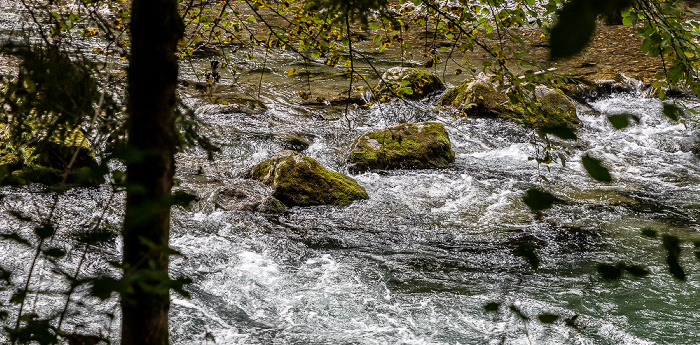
x: 421, y: 145
x: 409, y: 82
x: 482, y: 98
x: 299, y: 180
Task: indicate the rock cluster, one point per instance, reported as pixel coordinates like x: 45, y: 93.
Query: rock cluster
x: 481, y: 97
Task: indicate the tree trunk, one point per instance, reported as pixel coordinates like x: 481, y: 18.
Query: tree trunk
x: 155, y: 28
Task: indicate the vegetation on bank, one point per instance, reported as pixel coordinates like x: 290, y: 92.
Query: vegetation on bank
x: 56, y: 92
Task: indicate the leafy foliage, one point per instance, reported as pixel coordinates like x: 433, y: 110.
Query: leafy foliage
x: 614, y: 272
x: 595, y: 168
x: 538, y: 200
x: 548, y: 318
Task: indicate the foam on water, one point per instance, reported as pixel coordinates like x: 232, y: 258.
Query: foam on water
x: 416, y: 263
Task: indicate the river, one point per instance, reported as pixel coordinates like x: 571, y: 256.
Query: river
x: 419, y: 260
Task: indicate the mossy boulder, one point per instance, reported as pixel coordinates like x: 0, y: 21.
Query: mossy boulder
x: 409, y: 145
x: 46, y: 162
x: 409, y: 83
x: 476, y: 98
x: 299, y: 180
x: 481, y: 98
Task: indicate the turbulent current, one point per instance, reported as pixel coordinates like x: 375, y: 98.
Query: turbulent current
x: 419, y: 260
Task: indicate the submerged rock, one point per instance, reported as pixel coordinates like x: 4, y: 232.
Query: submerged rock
x: 408, y: 145
x: 409, y: 82
x: 248, y: 198
x: 480, y: 97
x: 299, y: 180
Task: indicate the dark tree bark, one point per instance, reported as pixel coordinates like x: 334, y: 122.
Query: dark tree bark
x: 155, y: 28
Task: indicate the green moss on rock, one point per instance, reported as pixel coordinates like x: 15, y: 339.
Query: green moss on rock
x: 46, y: 162
x: 408, y: 145
x: 301, y: 181
x: 409, y: 83
x: 479, y: 97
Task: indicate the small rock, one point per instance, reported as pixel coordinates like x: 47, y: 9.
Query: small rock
x: 271, y: 205
x: 248, y: 197
x: 409, y: 82
x: 295, y: 142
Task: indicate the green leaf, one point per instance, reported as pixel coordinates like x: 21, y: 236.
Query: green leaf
x: 610, y: 272
x: 619, y: 121
x: 538, y: 200
x: 405, y: 91
x: 672, y: 111
x: 44, y: 231
x: 596, y: 169
x: 649, y: 232
x: 55, y: 253
x: 165, y: 249
x: 561, y: 132
x: 491, y: 306
x: 548, y: 318
x: 15, y: 237
x: 103, y: 287
x: 636, y: 271
x: 18, y: 297
x: 527, y: 251
x: 573, y: 30
x: 184, y: 199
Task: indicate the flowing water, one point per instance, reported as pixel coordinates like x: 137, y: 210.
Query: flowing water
x: 416, y: 263
x: 419, y: 260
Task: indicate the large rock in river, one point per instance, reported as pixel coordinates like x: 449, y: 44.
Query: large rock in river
x: 480, y: 97
x: 409, y: 82
x: 408, y: 145
x: 299, y: 180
